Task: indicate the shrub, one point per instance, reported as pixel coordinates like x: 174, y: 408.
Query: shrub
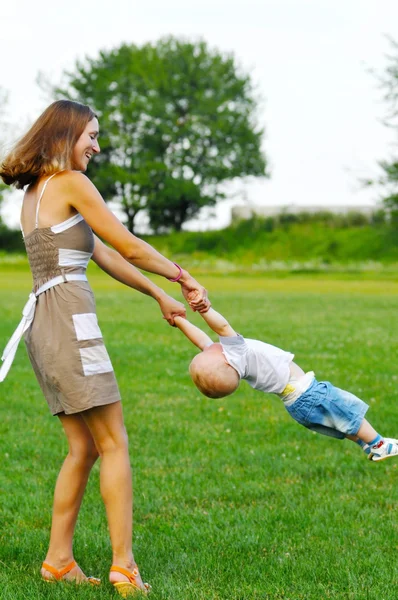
x: 10, y: 239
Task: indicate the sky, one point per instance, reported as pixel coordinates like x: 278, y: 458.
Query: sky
x: 310, y: 60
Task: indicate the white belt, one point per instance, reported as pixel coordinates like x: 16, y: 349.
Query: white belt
x: 28, y: 314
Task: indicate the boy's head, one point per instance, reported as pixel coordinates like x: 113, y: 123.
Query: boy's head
x: 211, y: 373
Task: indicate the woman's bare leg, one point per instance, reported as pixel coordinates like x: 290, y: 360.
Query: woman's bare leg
x: 108, y: 431
x: 69, y: 490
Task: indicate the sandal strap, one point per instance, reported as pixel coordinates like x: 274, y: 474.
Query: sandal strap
x: 131, y: 575
x: 59, y: 573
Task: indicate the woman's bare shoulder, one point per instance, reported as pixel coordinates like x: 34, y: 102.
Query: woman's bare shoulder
x: 74, y: 182
x: 72, y: 178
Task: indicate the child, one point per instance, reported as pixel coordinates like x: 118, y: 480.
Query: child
x: 319, y: 406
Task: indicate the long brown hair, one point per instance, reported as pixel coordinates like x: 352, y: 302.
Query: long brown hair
x: 48, y: 145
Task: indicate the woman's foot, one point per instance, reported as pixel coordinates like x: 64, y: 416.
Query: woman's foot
x: 128, y: 581
x: 69, y: 572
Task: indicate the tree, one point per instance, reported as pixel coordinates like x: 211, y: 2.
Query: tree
x: 389, y: 82
x: 177, y: 120
x: 3, y: 103
x: 3, y: 189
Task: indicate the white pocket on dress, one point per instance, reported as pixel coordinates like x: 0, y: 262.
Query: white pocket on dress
x: 86, y: 326
x: 95, y: 360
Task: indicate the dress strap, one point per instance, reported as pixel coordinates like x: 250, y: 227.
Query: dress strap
x: 41, y: 196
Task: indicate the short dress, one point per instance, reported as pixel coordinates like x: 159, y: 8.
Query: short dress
x: 64, y: 342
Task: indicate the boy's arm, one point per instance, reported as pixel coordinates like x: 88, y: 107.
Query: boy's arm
x: 218, y: 323
x: 215, y: 321
x: 193, y: 333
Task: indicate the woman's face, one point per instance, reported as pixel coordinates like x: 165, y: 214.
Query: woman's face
x: 86, y: 146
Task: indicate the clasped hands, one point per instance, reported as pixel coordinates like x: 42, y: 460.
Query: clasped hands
x: 194, y: 293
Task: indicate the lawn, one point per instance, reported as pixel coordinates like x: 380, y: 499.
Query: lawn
x: 233, y: 499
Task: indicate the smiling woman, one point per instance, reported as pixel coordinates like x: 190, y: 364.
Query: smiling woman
x: 86, y: 146
x: 60, y: 210
x: 54, y: 142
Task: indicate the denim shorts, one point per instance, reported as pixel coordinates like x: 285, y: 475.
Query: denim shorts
x: 326, y: 409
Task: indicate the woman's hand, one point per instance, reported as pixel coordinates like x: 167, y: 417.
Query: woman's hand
x: 199, y: 302
x: 171, y: 308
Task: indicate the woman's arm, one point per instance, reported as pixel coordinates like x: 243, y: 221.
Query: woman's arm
x: 82, y: 195
x: 117, y: 267
x: 193, y: 333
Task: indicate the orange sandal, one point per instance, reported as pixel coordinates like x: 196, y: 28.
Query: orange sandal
x: 58, y: 574
x: 130, y: 587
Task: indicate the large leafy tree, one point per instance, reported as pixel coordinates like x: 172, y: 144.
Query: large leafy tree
x: 177, y: 120
x: 389, y: 81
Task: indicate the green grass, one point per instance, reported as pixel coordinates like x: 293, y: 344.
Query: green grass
x: 233, y: 499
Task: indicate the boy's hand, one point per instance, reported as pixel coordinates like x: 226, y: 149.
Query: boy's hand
x: 192, y: 298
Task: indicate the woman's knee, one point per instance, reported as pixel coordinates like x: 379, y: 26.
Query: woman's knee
x: 107, y: 428
x: 81, y: 443
x: 85, y: 452
x: 113, y: 441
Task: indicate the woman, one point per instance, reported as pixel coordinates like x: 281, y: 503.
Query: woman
x: 60, y: 209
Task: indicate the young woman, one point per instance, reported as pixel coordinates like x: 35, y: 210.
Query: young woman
x: 61, y: 210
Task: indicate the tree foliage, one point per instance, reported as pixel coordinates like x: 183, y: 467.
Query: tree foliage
x: 3, y: 189
x: 3, y: 104
x: 176, y: 121
x: 389, y: 81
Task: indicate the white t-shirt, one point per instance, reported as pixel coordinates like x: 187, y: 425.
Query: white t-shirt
x: 263, y: 366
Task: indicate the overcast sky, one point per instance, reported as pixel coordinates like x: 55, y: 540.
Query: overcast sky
x: 310, y: 60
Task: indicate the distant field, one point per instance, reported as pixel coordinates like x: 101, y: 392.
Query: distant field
x: 233, y: 500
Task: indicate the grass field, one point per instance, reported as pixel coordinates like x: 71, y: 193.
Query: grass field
x: 233, y: 500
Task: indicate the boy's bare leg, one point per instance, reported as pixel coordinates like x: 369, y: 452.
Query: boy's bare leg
x: 373, y: 444
x: 366, y: 433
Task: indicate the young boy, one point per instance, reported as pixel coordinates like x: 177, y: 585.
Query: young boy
x: 319, y: 406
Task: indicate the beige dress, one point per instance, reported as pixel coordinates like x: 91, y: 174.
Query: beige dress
x: 64, y: 341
